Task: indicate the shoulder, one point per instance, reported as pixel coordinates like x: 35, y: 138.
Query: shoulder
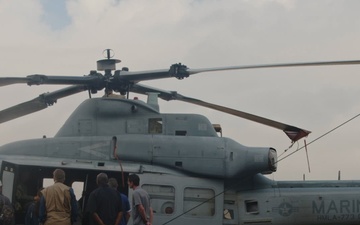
x: 123, y: 196
x: 5, y: 199
x: 95, y: 192
x: 111, y: 191
x: 61, y: 185
x: 140, y: 190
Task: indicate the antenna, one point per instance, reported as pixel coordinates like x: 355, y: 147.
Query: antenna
x: 108, y: 63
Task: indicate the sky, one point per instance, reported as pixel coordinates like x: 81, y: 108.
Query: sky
x: 68, y: 37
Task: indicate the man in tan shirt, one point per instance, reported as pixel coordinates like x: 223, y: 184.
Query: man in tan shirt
x: 58, y: 203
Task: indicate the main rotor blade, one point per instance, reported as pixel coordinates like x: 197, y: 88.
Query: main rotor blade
x: 120, y: 77
x: 12, y: 80
x: 37, y: 79
x: 37, y: 104
x: 294, y: 133
x: 301, y: 64
x: 180, y: 71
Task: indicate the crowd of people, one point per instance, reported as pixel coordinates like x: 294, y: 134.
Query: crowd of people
x: 57, y: 204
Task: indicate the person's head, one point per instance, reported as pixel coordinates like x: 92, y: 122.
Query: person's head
x: 133, y: 180
x: 102, y: 179
x: 113, y: 183
x: 38, y: 194
x: 59, y: 175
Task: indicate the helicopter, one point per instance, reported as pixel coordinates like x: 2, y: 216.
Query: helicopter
x: 192, y: 173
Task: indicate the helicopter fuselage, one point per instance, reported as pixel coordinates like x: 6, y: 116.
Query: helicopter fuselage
x: 193, y: 175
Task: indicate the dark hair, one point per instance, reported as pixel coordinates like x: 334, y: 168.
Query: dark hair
x: 113, y: 183
x: 135, y: 179
x: 102, y: 179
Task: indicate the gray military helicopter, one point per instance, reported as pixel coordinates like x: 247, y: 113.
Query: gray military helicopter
x: 192, y: 173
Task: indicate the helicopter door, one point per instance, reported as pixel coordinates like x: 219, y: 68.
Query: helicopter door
x: 7, y: 178
x: 183, y: 200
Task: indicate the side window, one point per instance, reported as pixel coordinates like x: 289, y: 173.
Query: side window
x: 199, y: 202
x: 252, y: 206
x: 155, y: 126
x: 48, y: 182
x: 8, y: 176
x: 162, y: 198
x: 228, y: 214
x: 78, y: 189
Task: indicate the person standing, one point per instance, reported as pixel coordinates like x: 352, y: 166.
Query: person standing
x: 58, y: 203
x: 104, y: 204
x: 142, y: 213
x: 124, y: 202
x: 32, y: 214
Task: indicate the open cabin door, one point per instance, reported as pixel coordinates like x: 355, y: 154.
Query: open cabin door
x: 20, y: 185
x: 183, y: 200
x: 34, y: 177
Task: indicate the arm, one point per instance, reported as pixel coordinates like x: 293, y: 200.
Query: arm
x: 126, y: 207
x: 21, y: 194
x: 118, y: 218
x: 97, y: 219
x: 142, y: 213
x: 151, y: 215
x: 127, y: 217
x: 74, y: 207
x: 42, y: 210
x: 119, y: 209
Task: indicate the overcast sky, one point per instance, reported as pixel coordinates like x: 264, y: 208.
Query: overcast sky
x: 67, y: 37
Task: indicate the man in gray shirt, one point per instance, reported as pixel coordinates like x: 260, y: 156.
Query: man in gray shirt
x: 142, y: 213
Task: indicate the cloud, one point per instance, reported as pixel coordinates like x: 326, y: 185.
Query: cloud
x: 149, y: 35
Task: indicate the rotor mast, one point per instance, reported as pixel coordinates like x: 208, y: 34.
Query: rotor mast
x: 108, y: 65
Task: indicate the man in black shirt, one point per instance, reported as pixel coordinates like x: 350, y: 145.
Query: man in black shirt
x: 104, y: 203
